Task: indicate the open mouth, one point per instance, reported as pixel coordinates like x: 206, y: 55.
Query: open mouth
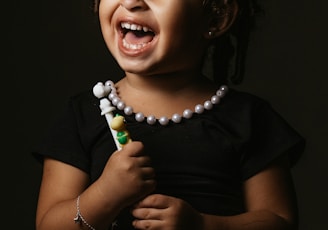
x: 136, y: 37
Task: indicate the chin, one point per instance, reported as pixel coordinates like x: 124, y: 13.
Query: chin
x: 135, y: 67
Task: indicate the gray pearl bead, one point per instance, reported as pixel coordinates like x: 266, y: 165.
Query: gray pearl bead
x: 187, y: 114
x: 215, y: 99
x: 208, y: 105
x: 128, y: 110
x: 112, y: 95
x: 120, y: 105
x: 140, y: 117
x: 151, y: 120
x: 224, y: 88
x: 199, y: 109
x: 220, y: 93
x: 163, y: 120
x: 109, y: 83
x: 176, y: 118
x: 115, y: 101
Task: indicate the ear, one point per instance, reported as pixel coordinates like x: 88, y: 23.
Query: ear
x: 222, y: 16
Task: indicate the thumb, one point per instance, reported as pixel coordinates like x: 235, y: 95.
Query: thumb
x: 133, y: 149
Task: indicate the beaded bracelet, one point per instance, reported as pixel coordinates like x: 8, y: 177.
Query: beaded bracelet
x: 79, y: 218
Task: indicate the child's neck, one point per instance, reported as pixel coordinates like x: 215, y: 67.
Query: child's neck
x: 169, y: 84
x: 164, y: 95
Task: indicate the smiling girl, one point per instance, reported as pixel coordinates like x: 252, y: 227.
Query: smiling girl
x: 203, y: 156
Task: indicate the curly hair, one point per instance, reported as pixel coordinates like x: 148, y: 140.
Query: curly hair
x: 228, y: 52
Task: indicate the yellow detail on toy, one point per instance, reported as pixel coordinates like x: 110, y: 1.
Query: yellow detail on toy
x: 118, y: 125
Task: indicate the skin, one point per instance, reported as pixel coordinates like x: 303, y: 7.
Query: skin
x: 269, y: 197
x: 165, y: 81
x: 127, y: 178
x: 163, y: 50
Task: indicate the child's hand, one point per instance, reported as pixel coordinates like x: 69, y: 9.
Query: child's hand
x: 127, y: 176
x: 165, y: 213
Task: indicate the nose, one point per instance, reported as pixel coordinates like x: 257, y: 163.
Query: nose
x: 133, y: 5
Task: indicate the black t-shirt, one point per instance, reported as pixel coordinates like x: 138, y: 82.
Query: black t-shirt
x: 203, y: 160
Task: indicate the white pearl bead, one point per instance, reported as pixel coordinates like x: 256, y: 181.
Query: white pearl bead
x: 199, y: 109
x: 187, y: 114
x: 224, y: 88
x: 115, y: 101
x: 208, y: 105
x: 111, y: 96
x: 114, y: 91
x: 109, y: 83
x: 140, y: 117
x: 120, y: 105
x: 163, y: 120
x: 151, y: 120
x: 128, y: 110
x: 220, y: 93
x: 215, y: 99
x: 176, y: 118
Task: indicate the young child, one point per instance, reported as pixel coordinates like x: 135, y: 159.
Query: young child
x: 202, y: 156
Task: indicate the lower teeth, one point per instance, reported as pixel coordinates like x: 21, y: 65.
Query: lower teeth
x: 133, y: 46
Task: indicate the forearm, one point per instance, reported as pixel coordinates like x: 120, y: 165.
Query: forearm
x: 126, y: 178
x: 94, y: 210
x: 257, y: 220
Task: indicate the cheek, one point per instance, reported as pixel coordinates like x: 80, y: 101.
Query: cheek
x: 184, y: 23
x: 106, y: 14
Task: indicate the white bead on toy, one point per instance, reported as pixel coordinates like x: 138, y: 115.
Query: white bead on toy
x: 101, y: 91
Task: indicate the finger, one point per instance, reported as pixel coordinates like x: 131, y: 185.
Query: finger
x: 147, y: 213
x: 133, y: 149
x: 148, y: 224
x: 143, y: 161
x: 148, y: 173
x: 154, y: 201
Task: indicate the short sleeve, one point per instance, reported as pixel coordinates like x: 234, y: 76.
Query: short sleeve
x: 270, y: 137
x: 63, y: 142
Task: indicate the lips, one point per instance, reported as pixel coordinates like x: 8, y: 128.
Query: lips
x: 135, y: 37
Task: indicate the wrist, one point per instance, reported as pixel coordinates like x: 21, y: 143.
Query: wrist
x: 108, y: 197
x: 79, y: 219
x: 94, y: 210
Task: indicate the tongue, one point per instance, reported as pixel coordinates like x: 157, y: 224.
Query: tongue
x: 138, y: 38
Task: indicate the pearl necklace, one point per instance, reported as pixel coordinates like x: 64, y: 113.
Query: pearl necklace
x: 176, y: 118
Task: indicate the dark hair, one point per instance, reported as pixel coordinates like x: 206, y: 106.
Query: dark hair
x: 230, y: 49
x: 95, y: 5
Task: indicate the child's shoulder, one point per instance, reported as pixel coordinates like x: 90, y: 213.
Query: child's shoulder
x: 84, y: 97
x: 83, y: 103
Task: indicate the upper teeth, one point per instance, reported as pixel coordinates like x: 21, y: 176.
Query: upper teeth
x: 131, y: 26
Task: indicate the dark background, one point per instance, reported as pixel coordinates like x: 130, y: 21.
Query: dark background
x: 53, y: 49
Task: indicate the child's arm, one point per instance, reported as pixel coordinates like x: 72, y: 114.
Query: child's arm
x: 127, y: 177
x: 270, y: 203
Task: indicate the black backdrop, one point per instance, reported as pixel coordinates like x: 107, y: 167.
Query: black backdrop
x: 53, y: 49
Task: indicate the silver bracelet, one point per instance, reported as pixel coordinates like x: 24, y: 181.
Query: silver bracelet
x: 79, y: 218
